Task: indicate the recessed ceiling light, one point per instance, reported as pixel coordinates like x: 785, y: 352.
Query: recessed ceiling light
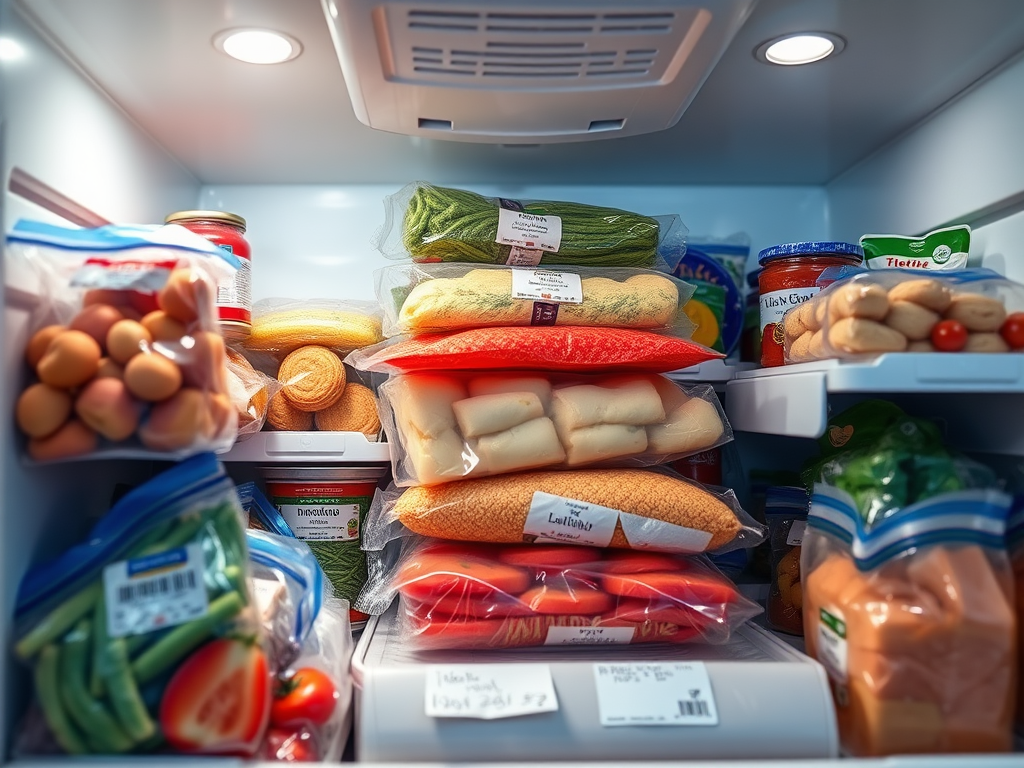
x: 10, y: 50
x: 802, y: 48
x: 257, y: 46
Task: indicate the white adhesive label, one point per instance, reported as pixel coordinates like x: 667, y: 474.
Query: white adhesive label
x: 488, y: 691
x: 523, y: 257
x: 155, y: 591
x: 655, y: 694
x: 322, y: 522
x: 796, y: 533
x: 528, y: 230
x: 832, y: 644
x: 941, y: 259
x: 775, y: 304
x: 234, y: 295
x: 589, y: 635
x: 555, y: 518
x: 647, y: 533
x: 547, y: 285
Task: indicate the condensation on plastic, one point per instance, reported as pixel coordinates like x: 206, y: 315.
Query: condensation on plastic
x: 445, y: 427
x: 471, y: 596
x: 436, y: 298
x: 250, y: 391
x: 855, y: 315
x: 468, y: 230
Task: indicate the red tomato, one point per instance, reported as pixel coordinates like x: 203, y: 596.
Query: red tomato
x: 308, y: 696
x: 218, y: 700
x: 497, y: 605
x: 290, y: 746
x: 1012, y: 330
x: 548, y: 555
x: 430, y: 576
x: 631, y: 561
x: 669, y: 612
x: 692, y: 588
x: 949, y: 336
x: 581, y: 601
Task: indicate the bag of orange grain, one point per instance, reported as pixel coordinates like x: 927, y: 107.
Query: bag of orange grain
x: 913, y: 619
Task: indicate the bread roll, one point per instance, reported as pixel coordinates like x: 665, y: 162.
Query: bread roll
x: 628, y: 401
x: 423, y: 403
x: 600, y: 442
x: 438, y: 459
x: 694, y: 426
x: 525, y: 446
x: 487, y: 414
x: 496, y: 385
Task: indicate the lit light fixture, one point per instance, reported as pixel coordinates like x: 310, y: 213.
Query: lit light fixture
x: 10, y: 50
x: 257, y: 46
x: 801, y: 48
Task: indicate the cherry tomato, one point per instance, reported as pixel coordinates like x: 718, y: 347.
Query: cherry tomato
x: 308, y: 696
x: 290, y: 746
x: 218, y: 700
x: 949, y: 336
x: 1013, y: 330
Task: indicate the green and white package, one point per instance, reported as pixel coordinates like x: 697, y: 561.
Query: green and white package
x: 943, y: 249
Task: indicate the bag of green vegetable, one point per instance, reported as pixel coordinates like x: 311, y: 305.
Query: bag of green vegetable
x: 432, y: 223
x: 139, y: 639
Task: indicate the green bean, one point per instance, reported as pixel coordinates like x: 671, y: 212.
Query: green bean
x: 48, y: 695
x: 112, y: 671
x: 99, y: 625
x: 58, y: 621
x: 101, y: 729
x: 184, y: 638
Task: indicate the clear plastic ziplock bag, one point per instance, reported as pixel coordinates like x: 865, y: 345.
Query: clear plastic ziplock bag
x: 126, y: 351
x: 137, y: 638
x: 437, y: 298
x: 446, y: 427
x: 473, y: 596
x: 250, y: 391
x: 869, y: 312
x: 311, y: 645
x: 432, y: 223
x: 280, y: 326
x: 653, y: 509
x: 913, y: 620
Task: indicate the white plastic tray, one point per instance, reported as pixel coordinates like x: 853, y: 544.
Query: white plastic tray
x: 308, y: 447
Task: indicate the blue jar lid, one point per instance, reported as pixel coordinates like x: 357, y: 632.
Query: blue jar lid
x: 809, y: 249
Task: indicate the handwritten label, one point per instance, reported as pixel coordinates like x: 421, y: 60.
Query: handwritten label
x: 648, y: 533
x: 556, y: 518
x: 528, y: 230
x: 489, y: 691
x: 523, y: 257
x: 589, y: 635
x: 655, y: 694
x: 796, y: 533
x: 547, y: 285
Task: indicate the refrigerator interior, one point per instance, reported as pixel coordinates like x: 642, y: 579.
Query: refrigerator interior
x: 108, y: 102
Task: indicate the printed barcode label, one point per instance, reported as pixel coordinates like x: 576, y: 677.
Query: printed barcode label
x: 694, y: 708
x: 156, y: 591
x: 655, y: 694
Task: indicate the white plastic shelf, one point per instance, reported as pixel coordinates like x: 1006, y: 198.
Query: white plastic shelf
x: 793, y: 400
x: 711, y: 372
x: 309, y: 447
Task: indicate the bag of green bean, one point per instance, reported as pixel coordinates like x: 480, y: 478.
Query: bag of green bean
x: 139, y: 639
x: 432, y: 223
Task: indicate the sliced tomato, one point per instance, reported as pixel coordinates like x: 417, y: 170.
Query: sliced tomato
x: 218, y: 700
x: 307, y: 696
x: 496, y: 605
x: 667, y: 611
x: 632, y: 561
x: 548, y: 555
x: 580, y: 601
x: 695, y: 588
x: 515, y: 632
x: 289, y: 746
x: 435, y: 575
x: 653, y: 631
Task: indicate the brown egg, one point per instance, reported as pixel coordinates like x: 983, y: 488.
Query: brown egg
x: 204, y: 361
x: 163, y: 327
x: 109, y: 370
x: 96, y: 320
x: 152, y: 377
x: 73, y: 439
x: 184, y: 296
x: 182, y: 421
x: 106, y: 406
x: 223, y: 414
x: 39, y: 342
x: 126, y: 339
x: 72, y: 358
x: 42, y: 409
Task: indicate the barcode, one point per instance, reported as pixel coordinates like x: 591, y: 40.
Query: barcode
x: 165, y: 585
x: 694, y: 708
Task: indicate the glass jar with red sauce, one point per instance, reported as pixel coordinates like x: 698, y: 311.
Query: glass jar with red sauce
x: 234, y: 299
x: 789, y: 276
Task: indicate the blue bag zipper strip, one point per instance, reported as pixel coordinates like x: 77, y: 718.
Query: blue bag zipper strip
x: 263, y: 550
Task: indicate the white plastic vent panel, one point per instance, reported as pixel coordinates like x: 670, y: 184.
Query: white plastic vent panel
x: 528, y: 72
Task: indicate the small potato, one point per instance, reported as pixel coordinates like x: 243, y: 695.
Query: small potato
x: 152, y: 377
x: 977, y: 313
x: 985, y: 342
x: 800, y: 349
x: 926, y: 291
x: 42, y: 409
x: 109, y: 370
x: 180, y: 422
x: 204, y: 361
x: 223, y: 415
x: 73, y: 439
x: 126, y: 339
x: 920, y: 346
x: 184, y: 296
x: 72, y: 358
x: 792, y: 325
x: 163, y: 327
x: 870, y: 302
x: 912, y: 320
x: 852, y: 334
x: 96, y: 320
x: 816, y: 347
x: 39, y: 342
x: 105, y: 406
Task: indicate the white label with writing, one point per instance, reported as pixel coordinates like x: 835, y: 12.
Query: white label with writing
x: 547, y: 285
x: 155, y: 591
x: 667, y: 693
x: 556, y: 518
x: 528, y: 230
x: 943, y: 258
x: 648, y: 533
x: 523, y: 257
x: 775, y: 304
x: 489, y: 691
x: 796, y: 533
x: 832, y: 645
x: 589, y: 635
x: 322, y: 522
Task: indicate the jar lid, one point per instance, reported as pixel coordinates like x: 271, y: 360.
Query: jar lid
x: 825, y: 248
x: 228, y: 218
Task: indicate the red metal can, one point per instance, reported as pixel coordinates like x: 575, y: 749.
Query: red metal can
x: 234, y: 299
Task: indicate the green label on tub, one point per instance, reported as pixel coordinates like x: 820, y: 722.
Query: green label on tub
x: 323, y: 518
